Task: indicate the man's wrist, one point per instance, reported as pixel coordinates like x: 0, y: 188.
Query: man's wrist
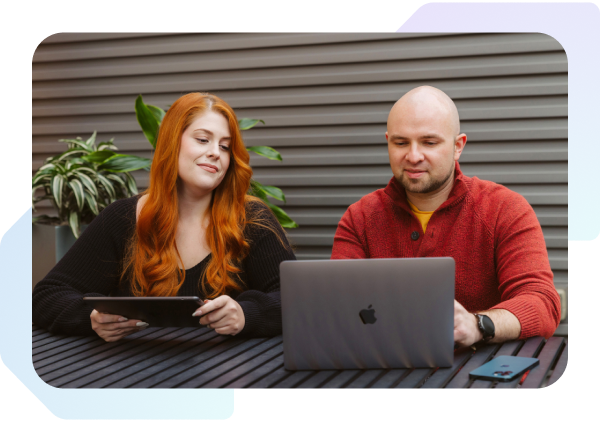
x: 478, y: 334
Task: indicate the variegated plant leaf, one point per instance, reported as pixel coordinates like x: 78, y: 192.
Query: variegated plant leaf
x: 107, y: 186
x: 74, y: 223
x: 131, y: 185
x: 87, y: 182
x: 90, y: 142
x: 57, y: 189
x: 77, y: 142
x: 60, y: 168
x: 40, y: 179
x: 92, y: 203
x: 46, y: 168
x: 77, y: 189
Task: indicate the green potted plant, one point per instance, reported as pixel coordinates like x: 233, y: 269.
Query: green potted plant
x: 80, y: 182
x: 149, y: 118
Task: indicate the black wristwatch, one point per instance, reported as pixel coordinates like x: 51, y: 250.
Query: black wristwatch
x: 486, y: 326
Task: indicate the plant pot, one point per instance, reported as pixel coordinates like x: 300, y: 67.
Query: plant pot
x: 64, y: 239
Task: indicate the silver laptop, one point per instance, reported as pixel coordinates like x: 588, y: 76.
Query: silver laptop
x: 371, y: 313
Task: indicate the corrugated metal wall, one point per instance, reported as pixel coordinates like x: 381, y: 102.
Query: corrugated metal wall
x: 325, y: 99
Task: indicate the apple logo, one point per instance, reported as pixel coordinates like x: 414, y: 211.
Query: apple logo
x: 368, y: 315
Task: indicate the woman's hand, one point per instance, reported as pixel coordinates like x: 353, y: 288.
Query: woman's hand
x: 223, y: 314
x: 111, y: 327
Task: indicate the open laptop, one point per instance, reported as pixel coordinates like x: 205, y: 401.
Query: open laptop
x: 368, y: 313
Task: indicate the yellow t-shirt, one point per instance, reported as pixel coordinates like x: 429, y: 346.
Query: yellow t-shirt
x: 422, y: 216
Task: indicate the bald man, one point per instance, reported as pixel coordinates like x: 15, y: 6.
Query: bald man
x: 504, y: 285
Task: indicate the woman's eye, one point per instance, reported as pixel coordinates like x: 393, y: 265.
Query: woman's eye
x: 224, y: 147
x: 202, y: 140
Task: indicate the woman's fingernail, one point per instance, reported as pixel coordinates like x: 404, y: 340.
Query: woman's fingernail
x: 123, y: 319
x: 197, y: 313
x: 140, y: 324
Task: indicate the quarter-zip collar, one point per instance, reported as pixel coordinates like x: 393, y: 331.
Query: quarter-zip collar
x: 460, y: 188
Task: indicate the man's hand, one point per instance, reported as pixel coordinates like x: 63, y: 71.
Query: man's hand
x: 223, y: 314
x: 466, y: 331
x: 111, y: 327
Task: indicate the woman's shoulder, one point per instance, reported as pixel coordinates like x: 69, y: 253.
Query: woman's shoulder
x: 121, y: 211
x: 260, y: 220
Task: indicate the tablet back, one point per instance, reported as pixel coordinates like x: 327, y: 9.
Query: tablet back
x: 371, y: 313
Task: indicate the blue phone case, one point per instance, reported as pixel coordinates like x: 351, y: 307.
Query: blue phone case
x: 504, y: 368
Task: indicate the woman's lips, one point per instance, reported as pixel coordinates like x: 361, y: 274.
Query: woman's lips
x: 208, y: 167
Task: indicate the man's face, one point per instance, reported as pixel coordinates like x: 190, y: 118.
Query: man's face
x: 423, y: 146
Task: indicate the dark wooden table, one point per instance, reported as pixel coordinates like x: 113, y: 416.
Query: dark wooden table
x: 198, y: 357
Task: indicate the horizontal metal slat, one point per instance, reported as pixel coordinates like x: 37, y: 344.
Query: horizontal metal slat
x: 401, y: 49
x: 551, y: 106
x: 539, y: 85
x: 514, y: 173
x: 128, y: 46
x: 82, y: 37
x: 524, y: 151
x: 402, y: 71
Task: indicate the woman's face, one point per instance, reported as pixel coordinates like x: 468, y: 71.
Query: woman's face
x: 204, y: 154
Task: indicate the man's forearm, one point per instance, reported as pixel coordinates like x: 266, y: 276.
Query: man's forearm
x: 506, y: 324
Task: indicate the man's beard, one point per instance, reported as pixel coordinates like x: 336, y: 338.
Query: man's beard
x: 428, y: 187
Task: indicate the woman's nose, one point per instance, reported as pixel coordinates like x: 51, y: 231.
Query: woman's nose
x: 214, y: 150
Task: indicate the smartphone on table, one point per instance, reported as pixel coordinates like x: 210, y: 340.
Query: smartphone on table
x: 504, y: 368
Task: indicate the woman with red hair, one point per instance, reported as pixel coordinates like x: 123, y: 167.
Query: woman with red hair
x: 194, y: 232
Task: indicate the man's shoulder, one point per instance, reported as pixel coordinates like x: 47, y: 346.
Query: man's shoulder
x: 495, y: 203
x: 370, y: 203
x: 484, y: 192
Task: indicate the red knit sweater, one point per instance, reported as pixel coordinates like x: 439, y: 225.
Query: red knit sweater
x: 491, y: 232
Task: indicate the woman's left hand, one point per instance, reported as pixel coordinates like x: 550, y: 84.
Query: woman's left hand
x: 223, y: 314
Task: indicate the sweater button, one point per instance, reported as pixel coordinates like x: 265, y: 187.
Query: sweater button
x: 414, y: 236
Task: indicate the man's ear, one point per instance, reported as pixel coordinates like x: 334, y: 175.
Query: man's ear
x: 459, y: 144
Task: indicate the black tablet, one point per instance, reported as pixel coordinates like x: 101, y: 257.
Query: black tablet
x: 156, y: 311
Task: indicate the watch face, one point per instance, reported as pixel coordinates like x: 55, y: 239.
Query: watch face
x: 488, y: 326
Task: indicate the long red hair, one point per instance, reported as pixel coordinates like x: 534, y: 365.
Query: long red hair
x: 152, y: 260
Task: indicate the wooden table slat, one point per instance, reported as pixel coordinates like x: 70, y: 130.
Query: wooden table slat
x: 201, y: 357
x: 319, y: 378
x: 443, y: 375
x: 241, y: 346
x: 294, y: 379
x: 176, y: 360
x: 43, y: 338
x: 391, y: 378
x: 366, y: 378
x: 531, y: 348
x: 415, y: 378
x: 60, y: 346
x: 80, y: 356
x: 248, y: 356
x: 135, y: 347
x: 561, y: 365
x: 37, y: 333
x: 274, y: 354
x: 547, y: 357
x: 483, y: 355
x: 342, y: 379
x: 271, y: 379
x: 114, y: 370
x: 507, y: 348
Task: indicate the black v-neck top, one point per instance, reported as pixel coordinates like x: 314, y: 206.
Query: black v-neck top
x: 92, y: 268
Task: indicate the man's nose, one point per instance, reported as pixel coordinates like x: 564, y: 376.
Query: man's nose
x: 414, y: 154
